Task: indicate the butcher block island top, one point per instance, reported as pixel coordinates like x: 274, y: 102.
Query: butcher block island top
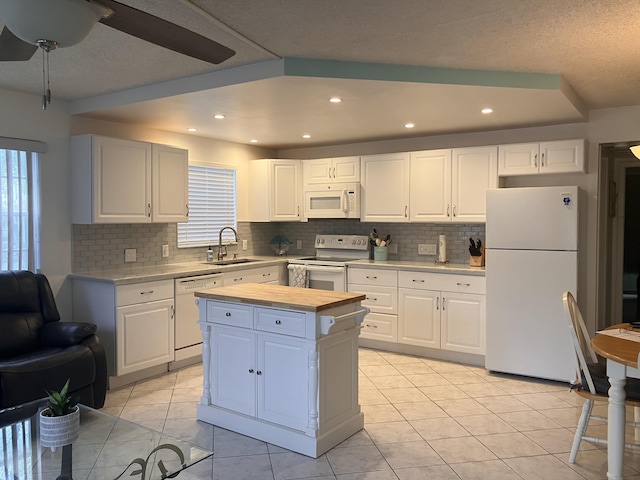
x: 280, y: 296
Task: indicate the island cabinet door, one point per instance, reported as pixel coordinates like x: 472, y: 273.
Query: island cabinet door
x: 283, y: 386
x: 233, y: 369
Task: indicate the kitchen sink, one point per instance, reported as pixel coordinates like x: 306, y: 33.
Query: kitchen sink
x: 231, y: 261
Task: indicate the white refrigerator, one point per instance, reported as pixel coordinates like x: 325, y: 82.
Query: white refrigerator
x: 531, y: 260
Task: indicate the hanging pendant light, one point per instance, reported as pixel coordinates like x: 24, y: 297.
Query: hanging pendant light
x: 636, y: 151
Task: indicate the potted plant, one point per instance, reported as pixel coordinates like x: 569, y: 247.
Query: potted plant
x: 60, y: 420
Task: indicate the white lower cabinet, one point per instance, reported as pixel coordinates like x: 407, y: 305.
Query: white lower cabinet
x: 135, y: 323
x: 442, y: 311
x: 269, y: 274
x: 260, y: 375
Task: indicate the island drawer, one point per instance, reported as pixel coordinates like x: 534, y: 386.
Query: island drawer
x: 280, y: 321
x: 230, y: 314
x: 373, y: 276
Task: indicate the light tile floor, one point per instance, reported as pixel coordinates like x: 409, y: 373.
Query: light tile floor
x: 424, y: 419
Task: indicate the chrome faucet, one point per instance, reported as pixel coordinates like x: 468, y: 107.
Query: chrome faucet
x: 222, y: 254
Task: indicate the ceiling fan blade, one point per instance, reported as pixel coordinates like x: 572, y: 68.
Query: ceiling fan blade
x: 12, y: 49
x: 163, y: 33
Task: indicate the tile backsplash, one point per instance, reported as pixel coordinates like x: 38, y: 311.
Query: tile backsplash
x: 97, y: 247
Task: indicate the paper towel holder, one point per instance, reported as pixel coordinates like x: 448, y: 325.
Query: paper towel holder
x: 441, y: 253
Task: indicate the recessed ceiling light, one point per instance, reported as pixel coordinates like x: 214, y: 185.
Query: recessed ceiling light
x: 192, y: 129
x: 306, y: 135
x: 335, y: 99
x: 487, y: 110
x: 219, y: 116
x: 253, y: 140
x: 409, y: 125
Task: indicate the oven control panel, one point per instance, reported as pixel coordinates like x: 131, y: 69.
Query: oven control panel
x: 342, y: 242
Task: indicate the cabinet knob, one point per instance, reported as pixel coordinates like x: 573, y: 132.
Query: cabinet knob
x: 228, y: 314
x: 278, y: 322
x: 251, y: 370
x: 259, y: 372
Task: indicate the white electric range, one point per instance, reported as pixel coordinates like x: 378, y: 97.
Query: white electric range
x: 328, y: 269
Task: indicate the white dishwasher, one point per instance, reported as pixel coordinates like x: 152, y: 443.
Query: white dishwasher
x: 188, y: 337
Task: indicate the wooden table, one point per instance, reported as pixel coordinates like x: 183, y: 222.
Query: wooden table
x: 622, y: 362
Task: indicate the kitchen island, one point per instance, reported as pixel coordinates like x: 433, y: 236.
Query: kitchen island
x: 281, y: 364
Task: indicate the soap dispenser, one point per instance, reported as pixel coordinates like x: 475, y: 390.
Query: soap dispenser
x: 209, y: 254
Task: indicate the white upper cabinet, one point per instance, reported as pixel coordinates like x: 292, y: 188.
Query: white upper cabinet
x: 170, y: 184
x: 331, y: 170
x: 275, y: 190
x: 562, y: 156
x: 450, y: 185
x: 385, y: 187
x: 126, y: 181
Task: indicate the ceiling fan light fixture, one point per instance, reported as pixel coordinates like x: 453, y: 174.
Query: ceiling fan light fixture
x: 65, y: 22
x: 636, y: 151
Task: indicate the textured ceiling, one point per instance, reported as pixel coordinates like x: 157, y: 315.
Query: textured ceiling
x: 593, y: 45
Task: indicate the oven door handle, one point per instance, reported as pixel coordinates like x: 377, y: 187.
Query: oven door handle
x: 317, y: 268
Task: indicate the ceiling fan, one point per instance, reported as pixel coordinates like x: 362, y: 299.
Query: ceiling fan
x: 50, y: 24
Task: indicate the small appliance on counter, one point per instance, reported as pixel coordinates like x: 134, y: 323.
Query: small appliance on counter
x: 280, y: 245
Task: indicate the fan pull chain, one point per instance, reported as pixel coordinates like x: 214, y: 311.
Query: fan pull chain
x: 46, y: 46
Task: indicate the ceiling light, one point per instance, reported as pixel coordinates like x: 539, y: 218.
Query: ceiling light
x: 335, y: 99
x: 409, y: 125
x: 306, y: 135
x: 635, y: 150
x: 487, y: 110
x: 219, y: 116
x: 192, y: 129
x: 253, y: 140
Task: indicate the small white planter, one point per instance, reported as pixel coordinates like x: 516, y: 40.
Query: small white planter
x: 59, y: 431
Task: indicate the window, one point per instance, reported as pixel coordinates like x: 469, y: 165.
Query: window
x: 212, y: 205
x: 19, y: 209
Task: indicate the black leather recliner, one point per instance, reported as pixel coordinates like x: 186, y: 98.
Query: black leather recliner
x: 38, y: 352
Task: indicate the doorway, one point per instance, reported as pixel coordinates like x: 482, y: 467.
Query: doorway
x: 620, y: 237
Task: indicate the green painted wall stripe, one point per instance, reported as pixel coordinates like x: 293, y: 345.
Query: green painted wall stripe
x: 307, y: 67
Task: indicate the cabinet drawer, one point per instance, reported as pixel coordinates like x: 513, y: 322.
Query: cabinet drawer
x: 378, y: 326
x: 253, y: 275
x: 280, y: 321
x: 144, y: 292
x: 372, y: 276
x: 230, y: 314
x: 379, y: 298
x: 442, y: 282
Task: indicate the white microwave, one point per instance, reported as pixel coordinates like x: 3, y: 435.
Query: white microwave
x: 332, y: 200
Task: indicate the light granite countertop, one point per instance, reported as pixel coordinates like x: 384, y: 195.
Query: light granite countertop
x: 124, y: 276
x: 455, y: 268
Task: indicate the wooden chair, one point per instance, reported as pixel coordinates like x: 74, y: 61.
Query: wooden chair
x: 591, y: 381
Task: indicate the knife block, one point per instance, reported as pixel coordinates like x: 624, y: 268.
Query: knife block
x: 477, y: 261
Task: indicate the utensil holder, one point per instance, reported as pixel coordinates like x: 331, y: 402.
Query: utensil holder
x: 477, y: 261
x: 380, y: 254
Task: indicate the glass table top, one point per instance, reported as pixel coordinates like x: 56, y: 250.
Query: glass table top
x: 108, y: 448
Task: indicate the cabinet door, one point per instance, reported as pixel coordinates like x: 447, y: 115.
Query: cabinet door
x: 346, y: 169
x: 563, y: 156
x: 170, y: 184
x: 385, y: 188
x: 473, y: 172
x: 285, y: 190
x: 430, y: 186
x: 283, y: 386
x: 317, y: 171
x: 121, y: 181
x: 518, y: 159
x: 419, y: 317
x: 233, y: 369
x: 463, y: 323
x: 144, y: 336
